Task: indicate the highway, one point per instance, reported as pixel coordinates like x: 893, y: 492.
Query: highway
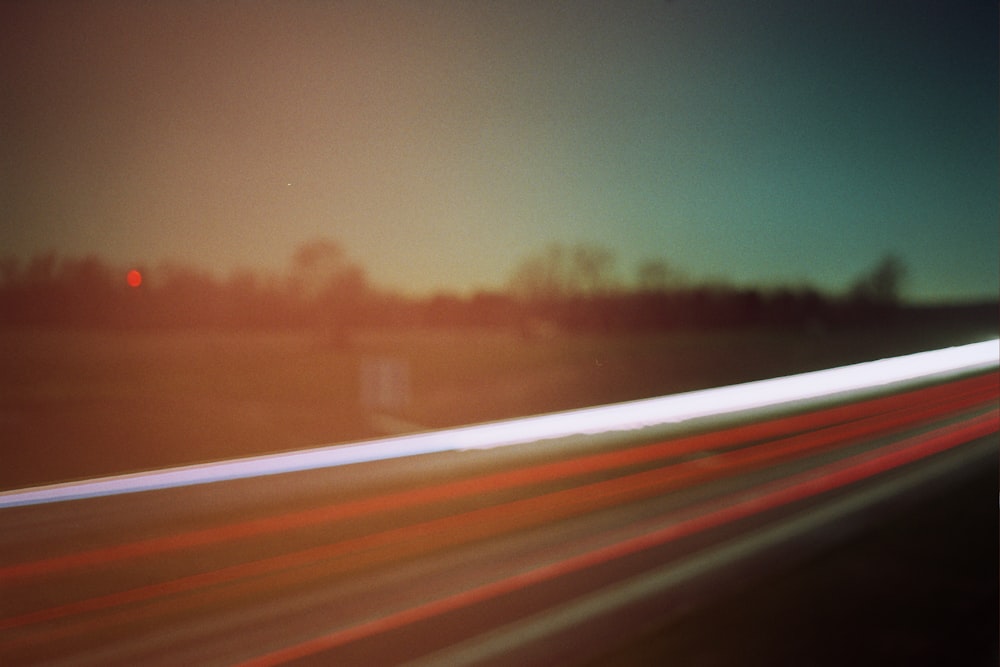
x: 548, y: 547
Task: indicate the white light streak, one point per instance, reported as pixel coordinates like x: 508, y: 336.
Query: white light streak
x: 632, y: 415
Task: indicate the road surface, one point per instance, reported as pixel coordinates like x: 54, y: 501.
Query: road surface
x: 545, y: 552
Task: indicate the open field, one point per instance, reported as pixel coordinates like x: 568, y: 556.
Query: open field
x: 78, y: 404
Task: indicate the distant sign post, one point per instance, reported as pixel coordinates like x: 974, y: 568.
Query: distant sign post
x: 385, y: 385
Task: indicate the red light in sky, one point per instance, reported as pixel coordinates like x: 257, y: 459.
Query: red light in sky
x: 134, y: 278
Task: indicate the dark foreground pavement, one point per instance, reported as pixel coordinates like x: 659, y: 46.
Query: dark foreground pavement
x: 920, y: 588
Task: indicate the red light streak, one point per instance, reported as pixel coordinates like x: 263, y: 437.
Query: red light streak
x: 800, y: 487
x: 501, y: 518
x: 958, y: 395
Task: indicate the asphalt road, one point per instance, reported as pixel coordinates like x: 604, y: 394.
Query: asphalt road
x: 542, y: 553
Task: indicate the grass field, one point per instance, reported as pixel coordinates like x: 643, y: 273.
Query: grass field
x: 78, y: 404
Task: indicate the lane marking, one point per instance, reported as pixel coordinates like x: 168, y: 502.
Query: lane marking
x: 618, y: 417
x: 799, y: 487
x: 505, y: 641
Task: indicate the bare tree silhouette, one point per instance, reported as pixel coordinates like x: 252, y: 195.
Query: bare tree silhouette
x: 882, y: 285
x: 328, y: 282
x: 656, y: 275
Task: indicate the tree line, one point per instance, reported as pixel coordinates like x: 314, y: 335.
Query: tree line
x: 559, y: 288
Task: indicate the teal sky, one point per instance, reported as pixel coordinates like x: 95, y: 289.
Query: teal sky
x: 755, y: 141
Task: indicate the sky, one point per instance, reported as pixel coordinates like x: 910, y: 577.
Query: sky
x: 758, y: 142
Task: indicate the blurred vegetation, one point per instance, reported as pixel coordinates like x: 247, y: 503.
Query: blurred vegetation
x: 97, y: 377
x: 561, y: 288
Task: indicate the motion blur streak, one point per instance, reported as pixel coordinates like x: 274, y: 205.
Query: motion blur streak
x: 524, y: 512
x: 735, y: 507
x: 376, y: 570
x: 628, y: 416
x: 954, y: 396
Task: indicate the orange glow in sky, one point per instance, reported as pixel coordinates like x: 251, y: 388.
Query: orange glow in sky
x: 133, y: 278
x: 440, y: 143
